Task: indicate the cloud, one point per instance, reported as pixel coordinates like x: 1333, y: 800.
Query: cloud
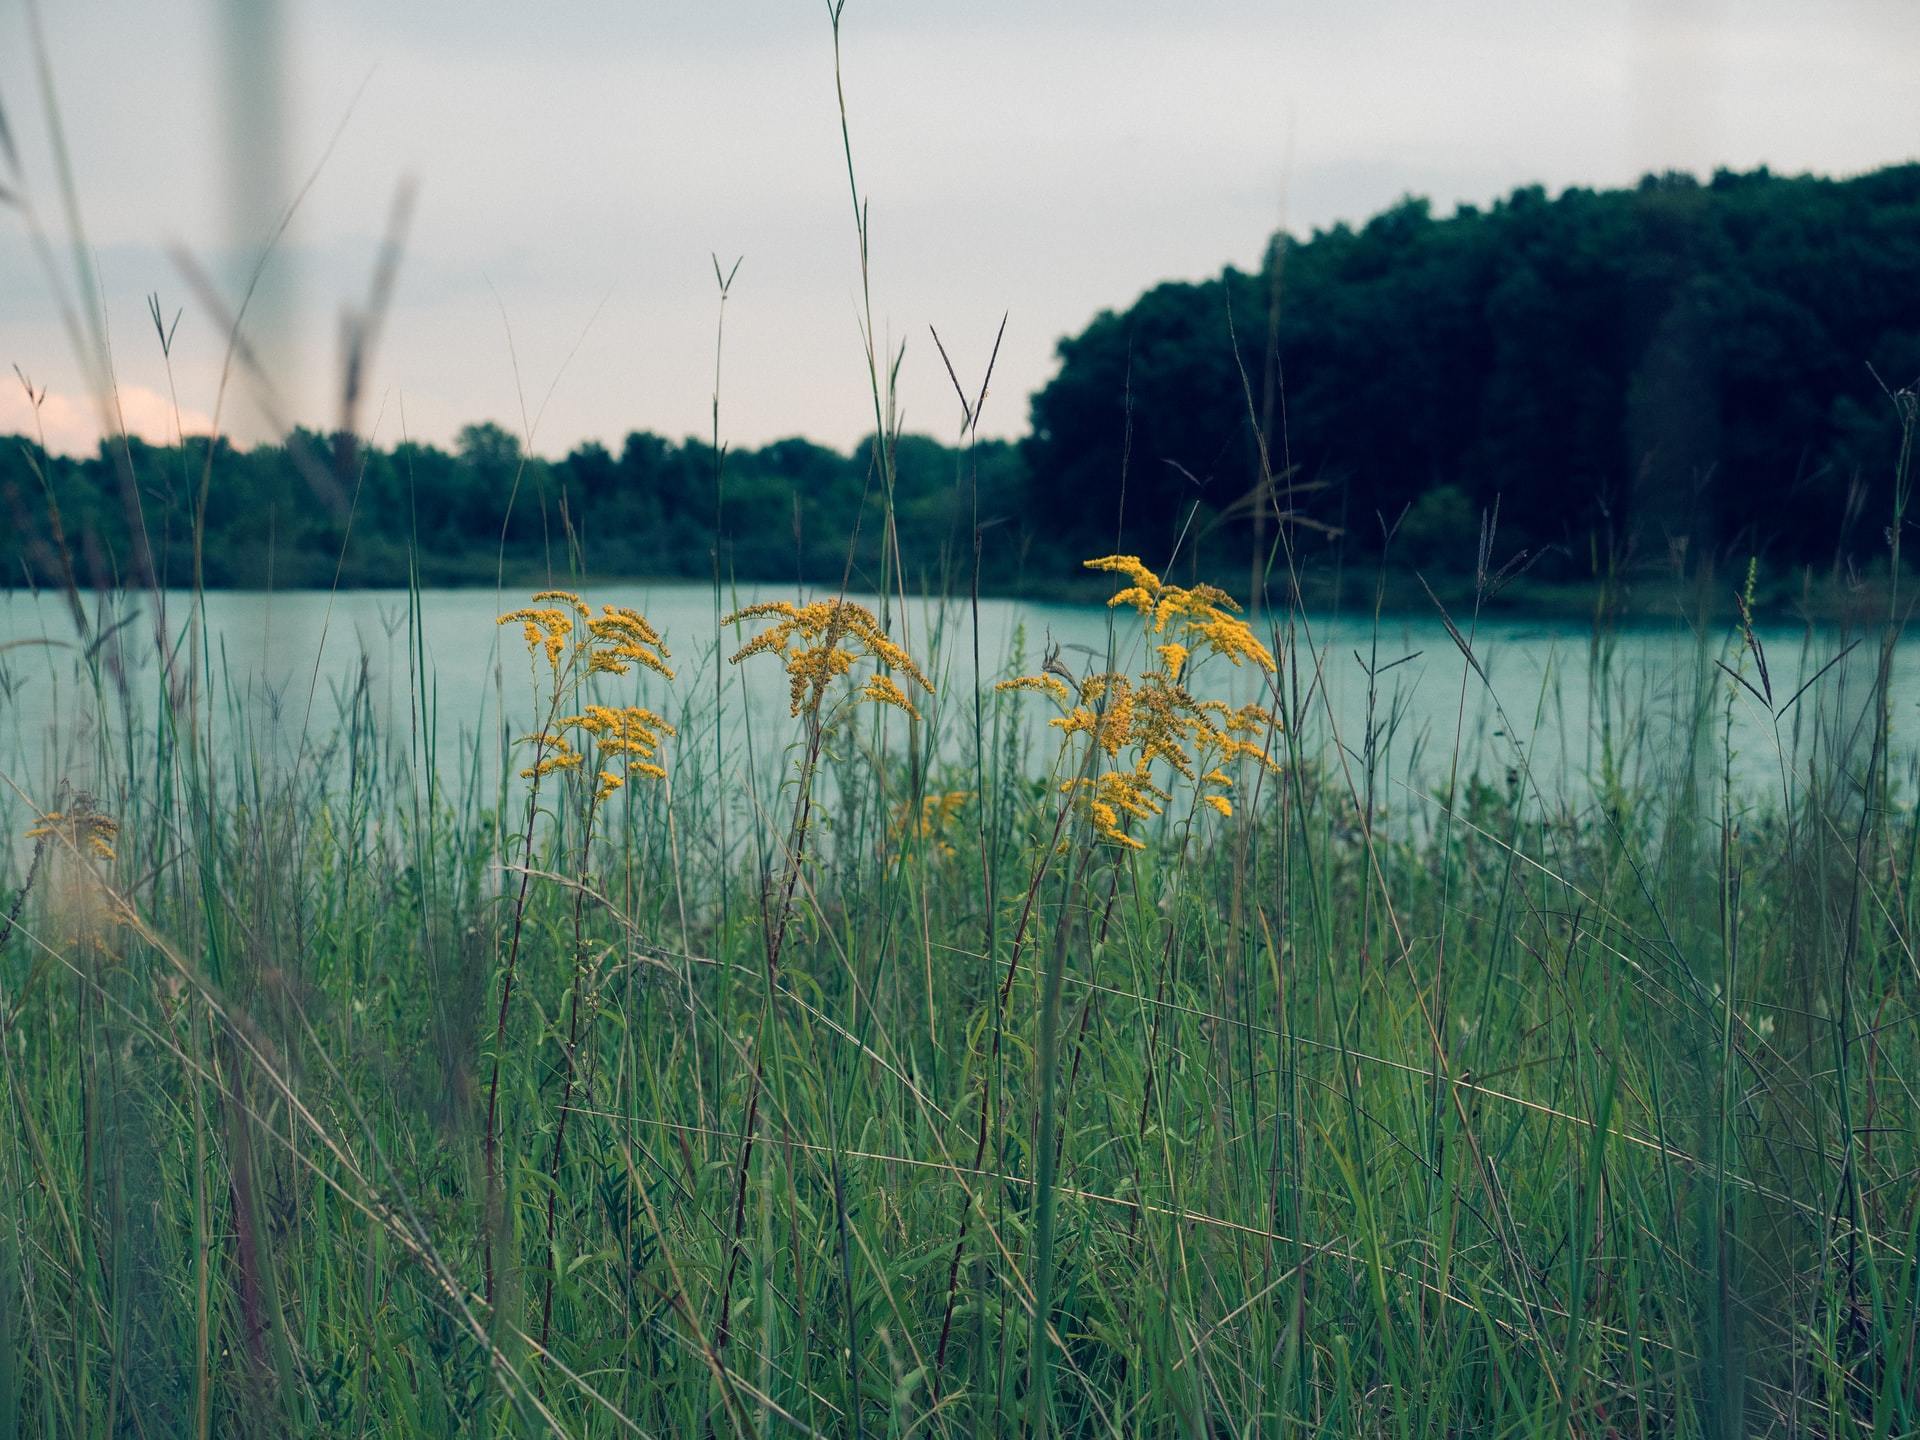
x: 71, y: 424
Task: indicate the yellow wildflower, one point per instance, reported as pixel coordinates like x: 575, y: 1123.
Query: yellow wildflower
x: 565, y: 597
x: 1240, y: 732
x: 1129, y: 566
x: 882, y: 690
x: 1154, y: 719
x: 1050, y: 685
x: 937, y: 815
x: 83, y: 827
x: 613, y: 642
x: 1105, y: 713
x: 629, y: 733
x: 1209, y: 618
x: 620, y: 637
x: 546, y: 628
x: 1232, y: 637
x: 1107, y: 822
x: 1116, y: 793
x: 552, y: 751
x: 823, y: 640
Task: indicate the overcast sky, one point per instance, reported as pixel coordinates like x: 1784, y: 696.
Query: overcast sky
x: 578, y: 163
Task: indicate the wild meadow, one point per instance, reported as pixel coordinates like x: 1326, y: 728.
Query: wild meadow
x: 1118, y: 1065
x: 1110, y: 1042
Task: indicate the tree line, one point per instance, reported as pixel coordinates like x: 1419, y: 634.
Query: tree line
x: 1628, y: 374
x: 1682, y: 367
x: 294, y: 514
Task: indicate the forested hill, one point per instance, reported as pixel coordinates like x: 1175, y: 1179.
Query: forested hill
x: 1682, y: 363
x: 1685, y: 367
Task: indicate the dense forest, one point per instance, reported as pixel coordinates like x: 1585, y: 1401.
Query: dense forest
x: 288, y: 515
x: 1710, y: 367
x: 1681, y: 364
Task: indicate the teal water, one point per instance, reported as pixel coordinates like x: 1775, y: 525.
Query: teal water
x: 285, y: 668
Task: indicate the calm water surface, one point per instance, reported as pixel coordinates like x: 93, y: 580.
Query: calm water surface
x: 286, y: 666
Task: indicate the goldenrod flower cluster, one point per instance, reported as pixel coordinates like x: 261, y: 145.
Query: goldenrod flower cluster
x: 613, y: 641
x: 935, y: 822
x: 1116, y: 793
x: 1049, y: 685
x: 1204, y: 617
x: 84, y: 829
x: 579, y: 644
x: 631, y: 735
x: 547, y: 628
x: 552, y: 752
x: 1154, y: 719
x: 1138, y: 721
x: 622, y: 638
x: 823, y: 640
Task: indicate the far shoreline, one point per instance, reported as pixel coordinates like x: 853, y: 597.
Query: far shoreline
x: 1395, y: 594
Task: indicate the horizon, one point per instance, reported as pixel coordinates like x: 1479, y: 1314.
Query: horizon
x: 1044, y: 167
x: 159, y: 428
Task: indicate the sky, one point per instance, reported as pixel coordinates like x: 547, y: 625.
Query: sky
x: 575, y: 168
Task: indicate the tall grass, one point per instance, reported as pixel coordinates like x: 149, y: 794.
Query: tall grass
x: 1585, y: 1110
x: 358, y: 1094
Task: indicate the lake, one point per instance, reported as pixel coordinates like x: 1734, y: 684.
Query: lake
x: 285, y: 665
